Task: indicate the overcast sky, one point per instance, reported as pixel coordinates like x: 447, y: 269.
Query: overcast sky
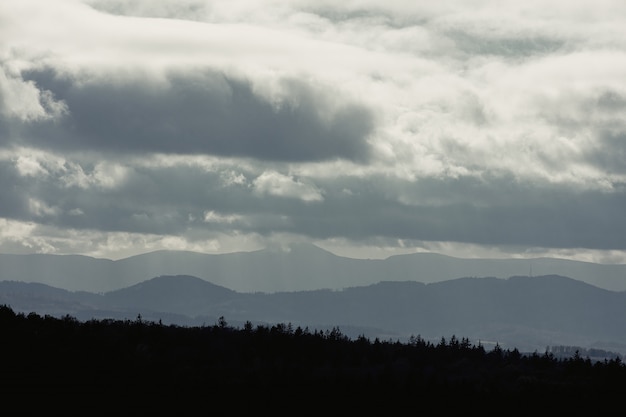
x: 470, y: 127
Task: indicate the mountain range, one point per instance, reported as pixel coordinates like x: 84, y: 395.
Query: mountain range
x: 523, y: 312
x: 300, y: 267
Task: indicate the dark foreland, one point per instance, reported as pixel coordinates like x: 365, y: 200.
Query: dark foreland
x: 63, y: 366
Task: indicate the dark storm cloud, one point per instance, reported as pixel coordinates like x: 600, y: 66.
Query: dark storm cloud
x: 150, y: 201
x: 12, y: 198
x: 207, y: 113
x: 175, y: 200
x: 500, y: 212
x: 171, y: 200
x: 611, y: 152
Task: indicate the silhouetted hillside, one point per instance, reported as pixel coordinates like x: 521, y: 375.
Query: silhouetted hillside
x: 185, y: 295
x: 528, y: 313
x: 62, y: 366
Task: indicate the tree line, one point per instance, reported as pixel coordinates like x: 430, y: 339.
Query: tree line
x: 99, y: 365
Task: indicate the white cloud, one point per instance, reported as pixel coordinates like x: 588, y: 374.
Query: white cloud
x: 211, y: 216
x: 279, y: 185
x: 76, y: 212
x: 67, y: 171
x: 29, y: 166
x: 512, y: 98
x: 24, y: 101
x: 41, y: 209
x: 12, y: 229
x: 104, y: 175
x: 233, y: 178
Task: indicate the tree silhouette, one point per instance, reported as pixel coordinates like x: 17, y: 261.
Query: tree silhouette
x: 172, y: 369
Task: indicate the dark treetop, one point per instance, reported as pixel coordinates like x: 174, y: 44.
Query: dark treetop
x: 98, y: 367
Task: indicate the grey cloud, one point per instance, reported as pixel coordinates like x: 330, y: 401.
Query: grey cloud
x: 12, y: 197
x: 163, y: 200
x: 468, y: 41
x: 611, y: 100
x: 179, y: 9
x: 504, y: 46
x: 466, y: 210
x: 592, y: 107
x: 368, y: 14
x: 343, y: 15
x: 207, y: 113
x: 490, y: 211
x: 594, y: 113
x: 610, y: 154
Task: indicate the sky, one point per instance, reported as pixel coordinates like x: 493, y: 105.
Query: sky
x: 473, y: 128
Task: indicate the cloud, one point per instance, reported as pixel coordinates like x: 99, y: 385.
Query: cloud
x: 24, y: 101
x: 190, y: 201
x: 197, y: 113
x: 210, y: 216
x: 494, y: 127
x: 276, y: 184
x: 171, y: 9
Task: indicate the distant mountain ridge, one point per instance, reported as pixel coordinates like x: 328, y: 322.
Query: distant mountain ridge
x: 529, y: 313
x: 301, y: 267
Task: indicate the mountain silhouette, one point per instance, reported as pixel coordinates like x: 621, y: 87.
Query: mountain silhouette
x: 298, y: 267
x: 528, y: 313
x: 181, y: 294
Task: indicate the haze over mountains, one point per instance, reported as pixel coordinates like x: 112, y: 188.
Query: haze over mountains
x: 528, y: 313
x: 300, y: 267
x: 563, y: 303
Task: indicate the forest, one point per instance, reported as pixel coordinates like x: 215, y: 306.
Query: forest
x: 63, y: 366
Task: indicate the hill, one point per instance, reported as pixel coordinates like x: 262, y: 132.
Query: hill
x: 300, y: 267
x: 528, y: 313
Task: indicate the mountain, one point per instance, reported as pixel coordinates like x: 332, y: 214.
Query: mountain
x: 528, y: 313
x: 300, y: 267
x: 186, y: 295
